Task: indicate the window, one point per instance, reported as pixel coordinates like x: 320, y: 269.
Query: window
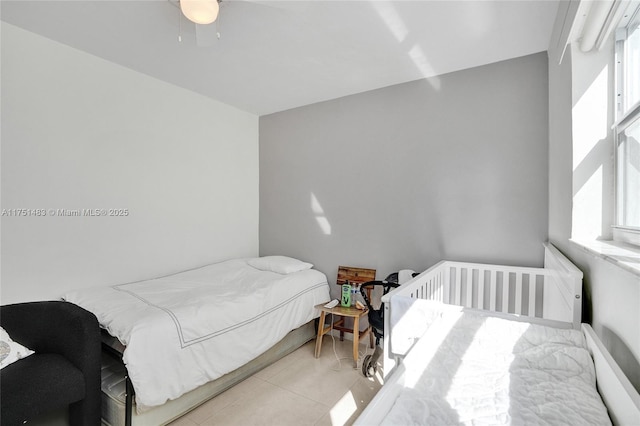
x: 627, y: 128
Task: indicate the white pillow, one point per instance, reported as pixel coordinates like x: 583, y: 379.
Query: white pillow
x: 11, y: 351
x: 279, y: 264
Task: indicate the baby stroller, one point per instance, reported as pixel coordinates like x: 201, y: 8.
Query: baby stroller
x: 376, y: 320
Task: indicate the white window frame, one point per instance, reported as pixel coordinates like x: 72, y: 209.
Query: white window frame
x: 624, y: 118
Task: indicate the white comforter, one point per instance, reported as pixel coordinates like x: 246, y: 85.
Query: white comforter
x: 187, y: 329
x: 473, y: 369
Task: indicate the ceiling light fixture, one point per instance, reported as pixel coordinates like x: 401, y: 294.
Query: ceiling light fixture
x: 200, y: 11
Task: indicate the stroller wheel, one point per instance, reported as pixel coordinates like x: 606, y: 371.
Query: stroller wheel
x: 368, y: 368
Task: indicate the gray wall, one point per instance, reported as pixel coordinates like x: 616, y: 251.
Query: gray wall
x: 453, y: 167
x: 560, y: 151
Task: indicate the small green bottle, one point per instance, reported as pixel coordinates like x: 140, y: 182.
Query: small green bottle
x: 346, y: 294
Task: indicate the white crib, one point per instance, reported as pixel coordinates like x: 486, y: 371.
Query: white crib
x: 550, y: 296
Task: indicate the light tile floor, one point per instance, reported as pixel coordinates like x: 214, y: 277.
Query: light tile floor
x: 296, y: 390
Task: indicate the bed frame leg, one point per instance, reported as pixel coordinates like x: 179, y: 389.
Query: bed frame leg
x: 128, y: 402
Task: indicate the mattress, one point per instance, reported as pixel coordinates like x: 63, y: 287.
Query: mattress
x: 187, y: 329
x: 113, y: 386
x: 470, y: 368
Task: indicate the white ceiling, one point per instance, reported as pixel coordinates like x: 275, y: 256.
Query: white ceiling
x: 277, y: 55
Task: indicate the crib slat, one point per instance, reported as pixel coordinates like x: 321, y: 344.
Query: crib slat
x: 433, y: 287
x: 458, y: 286
x: 469, y: 301
x: 492, y: 291
x: 505, y: 292
x: 481, y: 289
x: 518, y: 301
x: 532, y: 295
x: 447, y: 286
x: 427, y: 289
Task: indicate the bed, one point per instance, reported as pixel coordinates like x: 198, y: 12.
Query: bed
x: 488, y: 344
x: 186, y: 337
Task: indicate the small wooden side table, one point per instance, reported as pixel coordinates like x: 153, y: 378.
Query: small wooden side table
x: 343, y: 312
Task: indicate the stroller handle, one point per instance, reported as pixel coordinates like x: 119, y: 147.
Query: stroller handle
x: 386, y: 287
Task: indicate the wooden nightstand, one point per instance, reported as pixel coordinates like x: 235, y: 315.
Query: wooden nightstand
x: 343, y: 312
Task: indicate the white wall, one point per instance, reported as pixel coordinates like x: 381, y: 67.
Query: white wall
x: 79, y: 132
x: 581, y: 196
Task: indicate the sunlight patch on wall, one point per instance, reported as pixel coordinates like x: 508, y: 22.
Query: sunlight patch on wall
x: 587, y: 209
x: 318, y: 212
x: 590, y: 118
x: 420, y: 61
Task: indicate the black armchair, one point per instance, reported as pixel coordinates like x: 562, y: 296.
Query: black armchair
x: 64, y: 370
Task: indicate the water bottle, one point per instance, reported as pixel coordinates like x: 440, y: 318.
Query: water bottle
x: 354, y: 293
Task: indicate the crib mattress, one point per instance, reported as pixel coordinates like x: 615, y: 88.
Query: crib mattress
x: 475, y: 369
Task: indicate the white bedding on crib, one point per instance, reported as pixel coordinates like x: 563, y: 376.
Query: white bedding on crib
x: 475, y: 369
x: 187, y: 329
